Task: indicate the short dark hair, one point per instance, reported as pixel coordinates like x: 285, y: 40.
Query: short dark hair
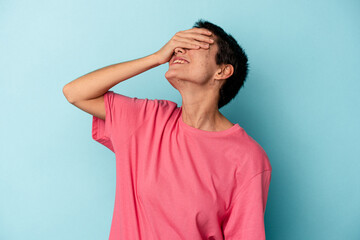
x: 229, y: 52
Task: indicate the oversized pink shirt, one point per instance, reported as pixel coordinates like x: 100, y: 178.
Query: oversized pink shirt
x: 177, y: 182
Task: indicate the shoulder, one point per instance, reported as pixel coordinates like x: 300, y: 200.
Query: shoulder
x: 163, y: 103
x: 252, y: 155
x: 166, y: 103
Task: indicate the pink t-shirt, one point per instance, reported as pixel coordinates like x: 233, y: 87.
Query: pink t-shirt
x: 177, y: 182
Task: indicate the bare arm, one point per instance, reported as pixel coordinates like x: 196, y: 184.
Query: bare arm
x: 87, y: 92
x: 98, y: 82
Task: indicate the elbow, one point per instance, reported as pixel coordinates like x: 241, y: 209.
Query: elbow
x: 65, y: 91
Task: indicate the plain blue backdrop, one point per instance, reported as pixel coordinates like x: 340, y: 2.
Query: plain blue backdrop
x: 300, y: 103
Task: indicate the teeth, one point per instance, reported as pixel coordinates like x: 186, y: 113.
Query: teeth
x: 179, y: 61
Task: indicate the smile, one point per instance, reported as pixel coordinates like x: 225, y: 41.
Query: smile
x: 179, y: 61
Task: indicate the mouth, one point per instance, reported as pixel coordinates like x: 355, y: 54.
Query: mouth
x: 179, y: 61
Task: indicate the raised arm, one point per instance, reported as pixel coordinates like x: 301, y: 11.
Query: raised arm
x: 98, y: 82
x: 86, y: 92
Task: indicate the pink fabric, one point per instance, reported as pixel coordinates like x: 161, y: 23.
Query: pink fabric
x: 177, y: 182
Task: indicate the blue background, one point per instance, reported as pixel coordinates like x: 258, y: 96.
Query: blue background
x: 300, y: 103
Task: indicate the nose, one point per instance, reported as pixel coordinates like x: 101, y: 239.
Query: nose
x: 179, y: 50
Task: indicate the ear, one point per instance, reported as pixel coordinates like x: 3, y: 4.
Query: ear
x: 225, y: 71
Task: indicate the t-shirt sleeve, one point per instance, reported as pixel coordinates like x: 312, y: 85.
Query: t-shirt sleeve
x: 123, y: 116
x: 245, y: 218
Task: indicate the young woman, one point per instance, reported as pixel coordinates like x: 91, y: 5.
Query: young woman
x: 181, y: 172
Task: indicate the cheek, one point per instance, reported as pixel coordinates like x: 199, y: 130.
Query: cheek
x: 206, y: 67
x: 201, y: 73
x: 200, y: 65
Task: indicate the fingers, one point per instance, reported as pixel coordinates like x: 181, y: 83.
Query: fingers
x: 199, y: 30
x: 195, y: 42
x: 200, y: 34
x: 186, y: 43
x: 195, y: 36
x: 199, y: 37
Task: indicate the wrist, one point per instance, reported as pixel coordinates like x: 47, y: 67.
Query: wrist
x: 156, y: 58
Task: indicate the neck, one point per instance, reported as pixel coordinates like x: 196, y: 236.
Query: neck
x: 204, y: 117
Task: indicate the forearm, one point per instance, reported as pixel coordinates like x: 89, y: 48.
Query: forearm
x: 98, y: 82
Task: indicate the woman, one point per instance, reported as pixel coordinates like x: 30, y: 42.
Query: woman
x: 181, y: 172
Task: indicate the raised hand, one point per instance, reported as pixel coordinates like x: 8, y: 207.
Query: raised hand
x: 193, y: 38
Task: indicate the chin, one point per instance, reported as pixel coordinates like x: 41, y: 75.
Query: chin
x: 170, y: 75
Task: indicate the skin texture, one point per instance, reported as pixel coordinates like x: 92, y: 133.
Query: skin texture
x: 199, y: 82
